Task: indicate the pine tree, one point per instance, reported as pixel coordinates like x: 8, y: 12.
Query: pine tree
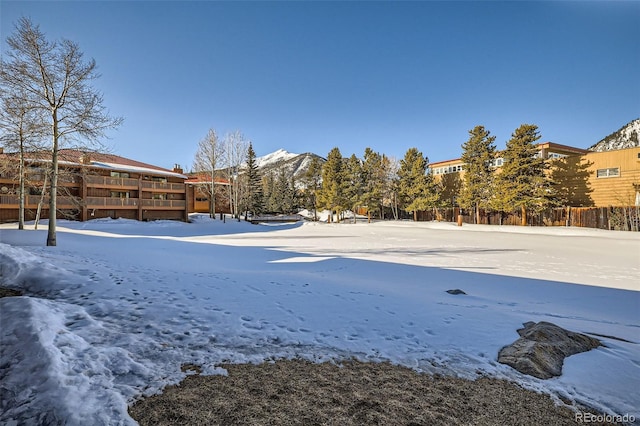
x: 284, y: 192
x: 417, y: 188
x: 253, y: 196
x: 477, y: 156
x: 311, y: 182
x: 522, y: 182
x: 331, y: 195
x: 353, y: 183
x: 269, y: 193
x: 374, y: 180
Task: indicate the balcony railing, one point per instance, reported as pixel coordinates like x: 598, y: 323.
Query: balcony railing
x: 163, y: 186
x: 31, y: 202
x: 108, y: 181
x: 111, y: 202
x: 165, y: 204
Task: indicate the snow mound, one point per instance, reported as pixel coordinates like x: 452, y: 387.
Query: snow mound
x: 40, y: 343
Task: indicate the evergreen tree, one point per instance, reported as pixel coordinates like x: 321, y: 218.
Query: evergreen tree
x: 374, y: 180
x: 284, y: 192
x: 311, y: 182
x: 331, y: 195
x: 269, y: 192
x: 353, y: 183
x: 522, y: 182
x: 417, y: 188
x: 253, y: 197
x: 477, y: 156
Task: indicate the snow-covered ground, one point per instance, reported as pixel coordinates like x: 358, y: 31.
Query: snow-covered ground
x: 114, y: 310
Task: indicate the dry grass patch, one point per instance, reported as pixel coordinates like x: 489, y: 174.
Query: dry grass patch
x: 8, y: 292
x: 296, y: 392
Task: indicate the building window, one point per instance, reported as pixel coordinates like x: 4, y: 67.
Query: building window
x: 610, y: 172
x: 497, y: 162
x: 555, y: 155
x: 120, y: 174
x: 119, y: 194
x: 159, y: 196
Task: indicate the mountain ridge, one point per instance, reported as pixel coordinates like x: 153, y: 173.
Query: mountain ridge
x: 294, y: 165
x: 625, y: 137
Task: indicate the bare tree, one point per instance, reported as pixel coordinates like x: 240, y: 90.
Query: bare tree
x: 391, y: 165
x: 207, y: 160
x: 57, y: 81
x: 21, y: 131
x: 236, y: 148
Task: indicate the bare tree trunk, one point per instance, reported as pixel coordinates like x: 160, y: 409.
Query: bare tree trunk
x: 395, y: 207
x: 51, y: 233
x: 212, y: 197
x: 524, y: 216
x: 21, y: 199
x: 41, y: 202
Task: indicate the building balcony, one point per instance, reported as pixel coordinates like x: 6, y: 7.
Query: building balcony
x: 151, y: 186
x: 111, y: 203
x: 111, y: 182
x: 164, y: 204
x: 31, y: 202
x: 133, y: 203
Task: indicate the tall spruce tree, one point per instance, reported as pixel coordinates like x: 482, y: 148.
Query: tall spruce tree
x: 477, y: 155
x: 373, y: 169
x: 312, y: 181
x: 253, y: 196
x: 353, y: 184
x: 331, y: 195
x: 269, y: 192
x: 417, y: 188
x: 522, y: 182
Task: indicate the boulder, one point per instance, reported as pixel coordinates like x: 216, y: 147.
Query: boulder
x: 542, y: 347
x: 456, y: 291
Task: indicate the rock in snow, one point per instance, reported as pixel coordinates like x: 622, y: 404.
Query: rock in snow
x: 542, y: 347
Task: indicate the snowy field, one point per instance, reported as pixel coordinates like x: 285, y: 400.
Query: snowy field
x: 114, y: 310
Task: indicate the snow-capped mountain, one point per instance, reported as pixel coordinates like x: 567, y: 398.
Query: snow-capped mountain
x: 278, y: 156
x: 294, y: 165
x: 625, y: 137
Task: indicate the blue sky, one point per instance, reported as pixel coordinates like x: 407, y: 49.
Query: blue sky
x: 308, y: 76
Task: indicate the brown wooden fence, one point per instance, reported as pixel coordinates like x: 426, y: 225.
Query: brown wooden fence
x: 613, y: 218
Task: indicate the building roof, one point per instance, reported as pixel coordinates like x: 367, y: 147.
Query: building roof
x: 100, y: 160
x: 198, y: 178
x: 438, y: 163
x: 560, y: 147
x: 547, y: 145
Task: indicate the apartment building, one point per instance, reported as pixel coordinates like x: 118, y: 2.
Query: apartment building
x: 199, y: 193
x: 598, y: 179
x: 94, y: 185
x: 614, y: 177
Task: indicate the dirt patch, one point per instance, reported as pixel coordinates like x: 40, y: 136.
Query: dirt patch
x: 296, y: 392
x: 8, y: 292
